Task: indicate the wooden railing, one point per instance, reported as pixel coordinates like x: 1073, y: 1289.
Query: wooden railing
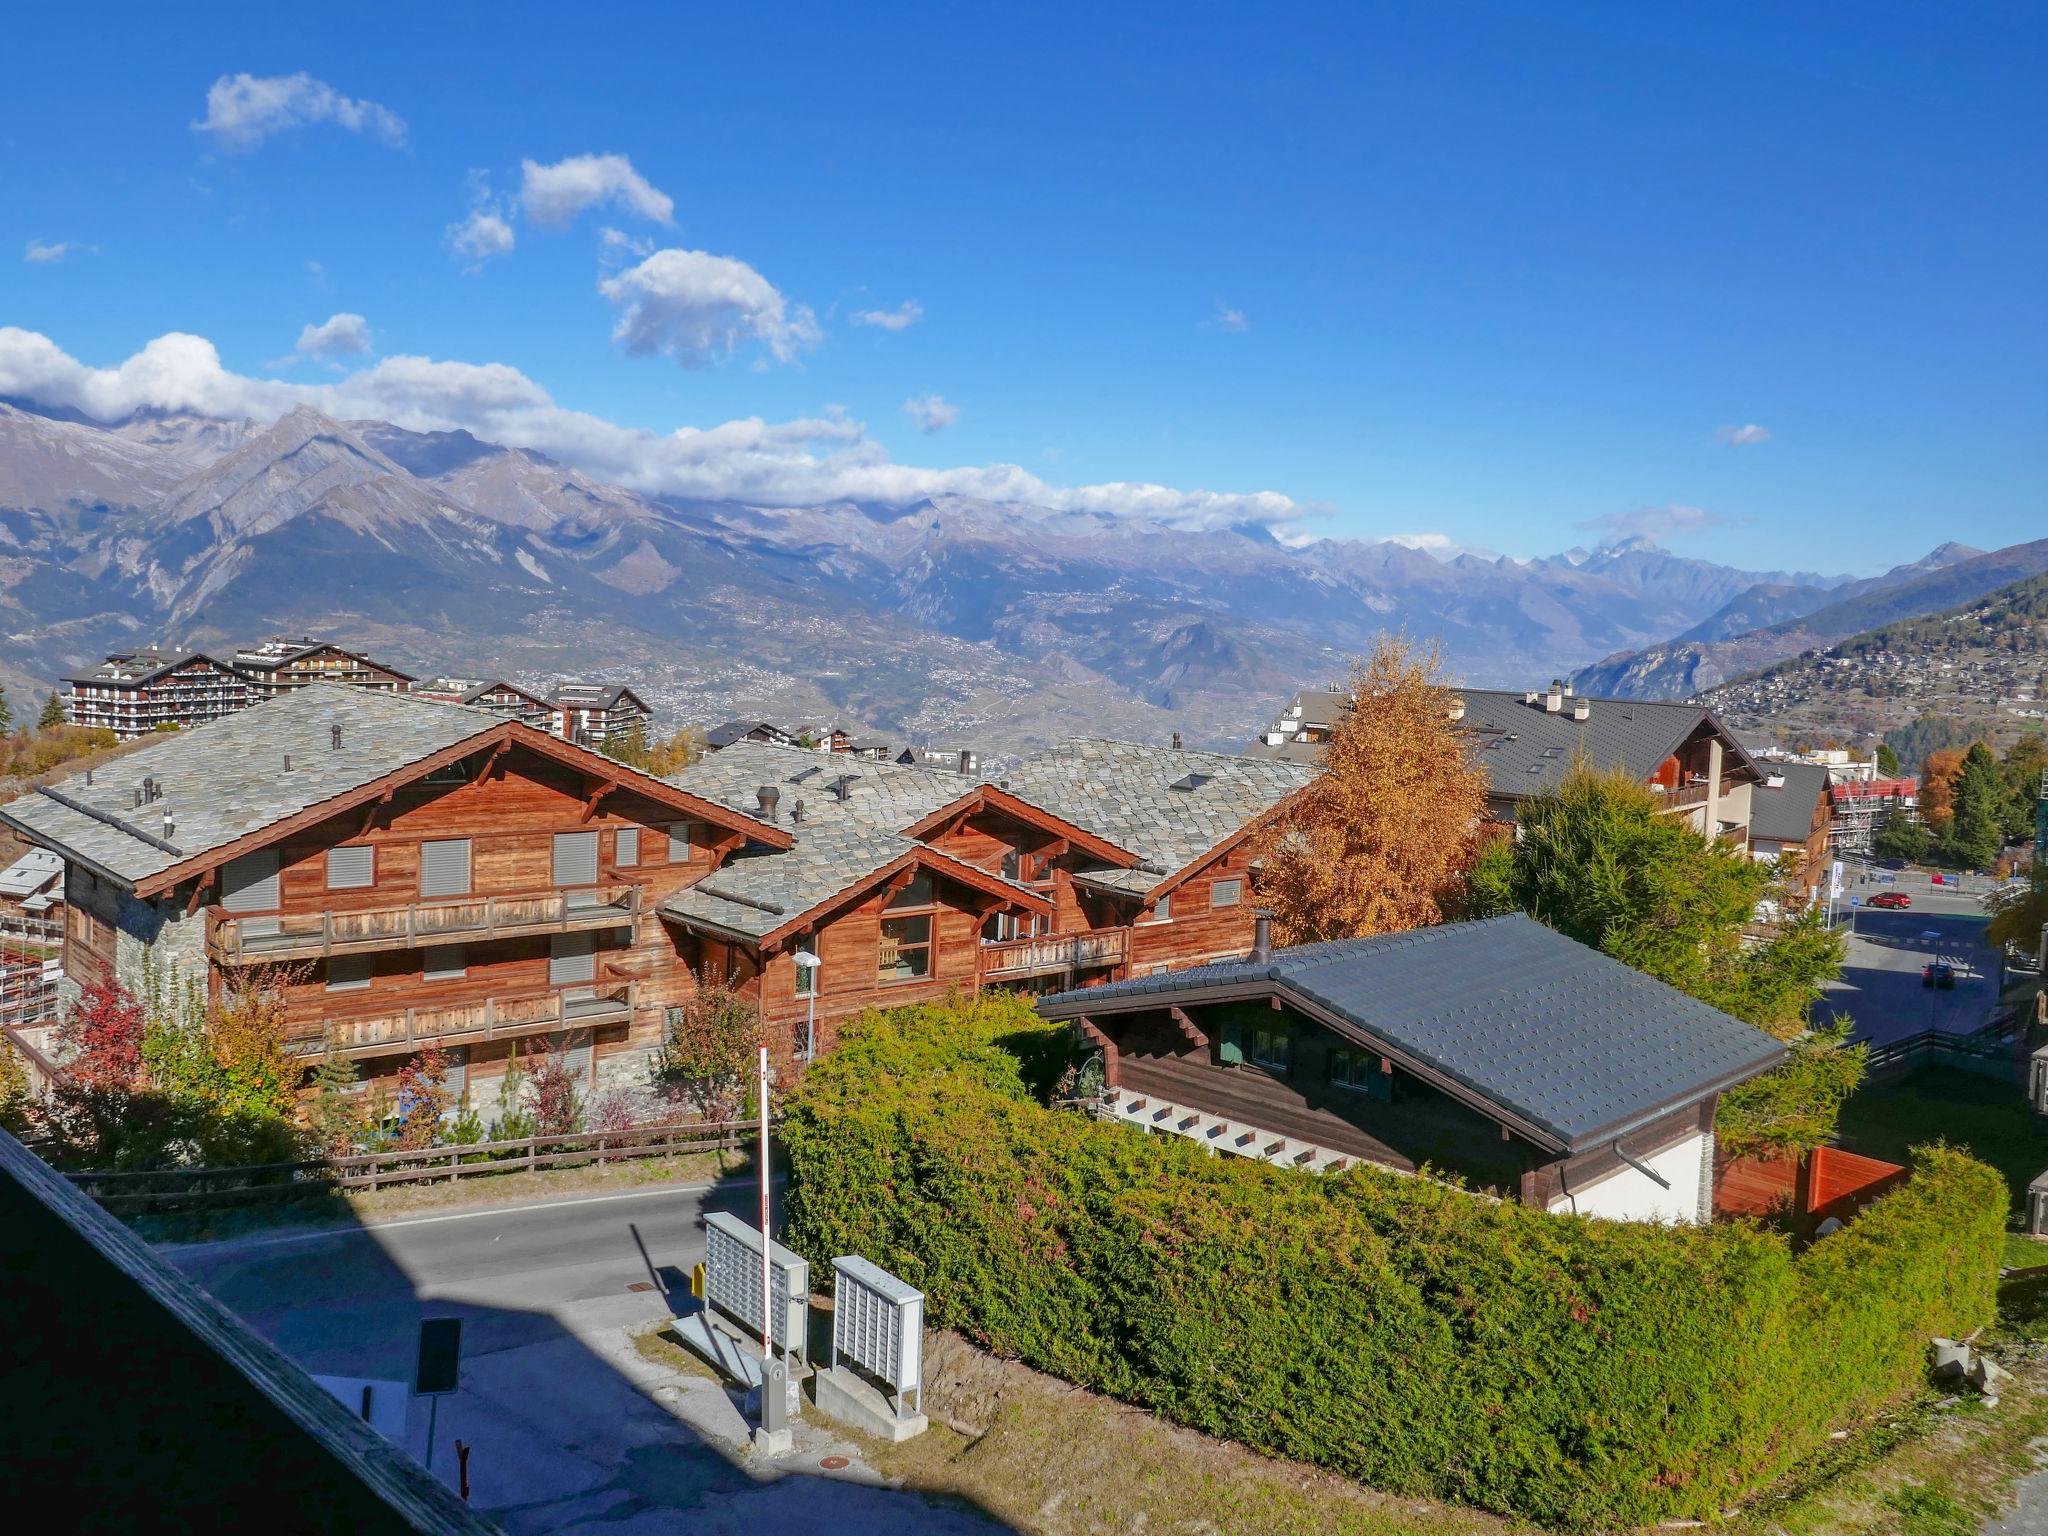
x: 494, y: 1018
x: 169, y: 1189
x: 254, y: 939
x: 1054, y: 952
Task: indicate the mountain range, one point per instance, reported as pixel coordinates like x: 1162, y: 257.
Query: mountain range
x: 948, y: 618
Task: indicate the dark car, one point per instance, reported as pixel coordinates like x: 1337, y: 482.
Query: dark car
x: 1938, y: 973
x: 1891, y: 899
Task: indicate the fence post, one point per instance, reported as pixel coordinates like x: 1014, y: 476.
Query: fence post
x: 532, y: 1153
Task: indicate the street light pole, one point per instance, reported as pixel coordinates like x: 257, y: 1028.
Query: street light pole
x: 807, y: 968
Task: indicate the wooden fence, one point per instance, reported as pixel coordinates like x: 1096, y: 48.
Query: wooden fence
x: 124, y: 1193
x: 1804, y: 1192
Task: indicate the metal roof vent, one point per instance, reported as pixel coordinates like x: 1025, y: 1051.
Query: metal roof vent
x: 1262, y: 936
x: 842, y: 786
x: 1176, y: 741
x: 796, y: 812
x: 287, y: 762
x: 170, y: 825
x: 334, y: 737
x: 1775, y: 781
x: 769, y: 797
x: 135, y: 798
x: 1582, y: 709
x: 968, y: 761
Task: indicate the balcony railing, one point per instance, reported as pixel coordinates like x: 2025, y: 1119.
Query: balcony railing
x: 312, y: 935
x: 1054, y: 952
x: 496, y: 1018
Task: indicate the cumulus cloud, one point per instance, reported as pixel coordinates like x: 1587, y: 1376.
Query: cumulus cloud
x: 901, y: 318
x: 43, y: 252
x: 696, y: 308
x: 931, y: 413
x: 1655, y: 523
x: 336, y: 336
x: 555, y: 194
x: 615, y: 246
x: 1228, y: 319
x: 485, y: 232
x: 1747, y: 436
x: 791, y: 463
x: 244, y: 110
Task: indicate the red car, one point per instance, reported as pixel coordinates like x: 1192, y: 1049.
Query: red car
x: 1891, y: 899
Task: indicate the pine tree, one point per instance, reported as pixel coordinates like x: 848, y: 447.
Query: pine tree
x: 6, y: 713
x: 1977, y: 833
x: 53, y: 713
x: 335, y: 1115
x: 1887, y: 761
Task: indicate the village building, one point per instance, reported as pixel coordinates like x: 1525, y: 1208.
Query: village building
x: 1791, y: 820
x: 133, y: 693
x: 281, y: 665
x: 1498, y: 1052
x: 33, y: 886
x: 598, y: 714
x: 1863, y: 806
x: 1526, y: 742
x: 408, y: 872
x: 730, y: 732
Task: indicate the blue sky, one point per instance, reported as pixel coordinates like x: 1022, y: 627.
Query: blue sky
x: 1511, y: 276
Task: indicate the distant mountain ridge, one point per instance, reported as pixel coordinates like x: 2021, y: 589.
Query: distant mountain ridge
x: 948, y: 617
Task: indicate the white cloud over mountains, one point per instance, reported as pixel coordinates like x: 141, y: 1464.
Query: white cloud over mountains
x: 1655, y: 523
x: 791, y: 463
x: 556, y: 194
x: 337, y: 336
x: 244, y: 110
x: 696, y: 308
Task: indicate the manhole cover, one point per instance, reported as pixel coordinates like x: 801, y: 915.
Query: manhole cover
x: 640, y: 1285
x: 834, y: 1463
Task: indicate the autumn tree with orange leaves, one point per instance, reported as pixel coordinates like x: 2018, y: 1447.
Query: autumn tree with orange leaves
x: 1379, y: 839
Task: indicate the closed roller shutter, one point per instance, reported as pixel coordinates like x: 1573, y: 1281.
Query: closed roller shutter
x: 575, y: 858
x: 571, y: 960
x: 575, y: 1045
x: 458, y: 1072
x: 444, y: 962
x: 352, y: 868
x: 249, y: 884
x: 627, y: 847
x: 444, y: 867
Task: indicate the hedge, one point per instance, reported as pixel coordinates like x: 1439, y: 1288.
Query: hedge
x: 1575, y: 1372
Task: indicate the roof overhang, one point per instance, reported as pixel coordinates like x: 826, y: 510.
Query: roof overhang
x: 989, y: 797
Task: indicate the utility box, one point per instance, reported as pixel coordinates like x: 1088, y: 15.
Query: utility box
x: 2037, y: 1206
x: 732, y: 1283
x: 2037, y: 1080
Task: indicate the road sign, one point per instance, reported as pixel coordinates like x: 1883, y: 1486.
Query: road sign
x: 1855, y: 901
x: 440, y: 1356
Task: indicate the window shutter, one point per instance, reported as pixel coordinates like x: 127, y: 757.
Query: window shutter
x: 249, y: 884
x: 576, y: 1044
x: 571, y: 960
x: 679, y: 851
x: 575, y: 858
x: 444, y: 867
x: 444, y: 962
x: 348, y: 973
x: 626, y: 848
x: 1226, y: 893
x: 1230, y: 1048
x: 352, y: 868
x: 458, y: 1072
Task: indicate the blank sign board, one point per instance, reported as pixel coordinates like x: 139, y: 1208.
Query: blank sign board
x: 440, y: 1356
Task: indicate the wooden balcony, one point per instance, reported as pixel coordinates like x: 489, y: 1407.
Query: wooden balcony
x: 496, y: 1018
x: 461, y: 919
x: 1003, y: 959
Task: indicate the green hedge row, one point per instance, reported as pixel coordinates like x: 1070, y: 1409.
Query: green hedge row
x: 1575, y: 1372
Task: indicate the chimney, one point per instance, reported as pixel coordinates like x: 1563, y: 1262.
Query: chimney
x: 136, y: 802
x: 1530, y: 697
x: 1567, y: 688
x: 840, y: 787
x: 1553, y: 700
x: 769, y: 796
x: 287, y: 762
x: 796, y: 812
x: 1457, y: 710
x: 334, y: 737
x: 1176, y: 741
x: 968, y: 761
x: 1262, y: 935
x: 88, y: 778
x: 1582, y: 709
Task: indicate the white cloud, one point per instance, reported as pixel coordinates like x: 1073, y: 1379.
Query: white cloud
x: 555, y: 194
x: 484, y: 232
x: 696, y: 308
x: 43, y: 252
x: 1655, y: 523
x: 615, y: 245
x: 1744, y: 436
x: 1228, y: 319
x: 244, y: 110
x: 316, y: 274
x: 931, y: 413
x: 336, y: 336
x: 792, y: 463
x: 901, y: 318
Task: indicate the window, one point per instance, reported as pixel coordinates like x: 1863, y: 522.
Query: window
x: 443, y: 962
x: 626, y: 847
x: 1003, y: 926
x: 575, y: 860
x: 1226, y: 893
x: 444, y: 867
x: 352, y: 868
x: 348, y: 973
x: 1359, y: 1072
x: 681, y: 836
x: 572, y: 960
x: 249, y: 884
x: 918, y: 893
x: 1162, y: 910
x: 1262, y: 1045
x: 906, y: 947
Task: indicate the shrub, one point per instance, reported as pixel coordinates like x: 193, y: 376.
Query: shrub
x: 1393, y: 1329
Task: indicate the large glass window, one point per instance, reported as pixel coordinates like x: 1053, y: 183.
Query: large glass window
x: 918, y: 893
x: 906, y: 947
x: 1359, y: 1072
x: 1260, y: 1045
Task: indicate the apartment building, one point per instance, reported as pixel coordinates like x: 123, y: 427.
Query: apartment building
x: 280, y: 665
x: 133, y: 693
x: 593, y: 714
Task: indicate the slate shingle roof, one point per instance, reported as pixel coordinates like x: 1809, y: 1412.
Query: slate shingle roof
x: 1568, y: 1040
x: 1125, y: 793
x: 225, y: 779
x: 1786, y: 815
x: 1526, y: 750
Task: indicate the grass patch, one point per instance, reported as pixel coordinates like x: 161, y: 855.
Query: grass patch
x: 661, y: 1347
x: 1986, y: 1117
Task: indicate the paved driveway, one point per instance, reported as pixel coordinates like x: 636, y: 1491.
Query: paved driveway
x: 569, y: 1428
x: 1880, y: 987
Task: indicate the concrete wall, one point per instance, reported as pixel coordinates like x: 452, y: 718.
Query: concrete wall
x: 1628, y: 1195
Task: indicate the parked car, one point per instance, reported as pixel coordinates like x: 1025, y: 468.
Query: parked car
x: 1938, y: 973
x: 2022, y: 961
x: 1897, y: 899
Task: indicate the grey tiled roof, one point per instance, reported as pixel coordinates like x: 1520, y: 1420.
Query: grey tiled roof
x: 1526, y: 750
x: 1125, y: 792
x: 1786, y: 815
x: 227, y: 778
x: 1557, y: 1034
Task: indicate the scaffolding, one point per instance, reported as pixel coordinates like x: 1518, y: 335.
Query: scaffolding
x: 31, y: 963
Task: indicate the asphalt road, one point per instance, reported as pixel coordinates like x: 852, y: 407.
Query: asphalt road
x: 569, y: 1428
x: 1880, y: 988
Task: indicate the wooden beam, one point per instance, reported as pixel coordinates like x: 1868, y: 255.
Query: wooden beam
x: 590, y: 804
x: 199, y: 889
x: 371, y: 811
x: 1187, y: 1026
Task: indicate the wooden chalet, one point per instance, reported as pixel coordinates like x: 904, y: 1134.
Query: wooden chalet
x: 279, y: 666
x: 1499, y: 1052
